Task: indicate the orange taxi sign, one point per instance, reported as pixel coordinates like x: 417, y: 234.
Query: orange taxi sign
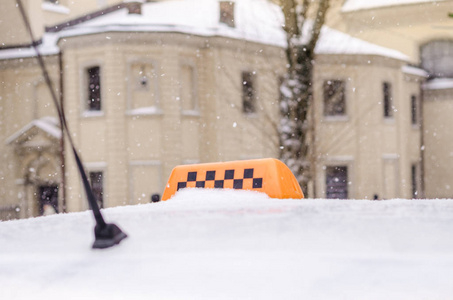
x: 269, y: 175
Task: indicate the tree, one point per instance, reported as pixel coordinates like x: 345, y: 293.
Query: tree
x: 297, y: 94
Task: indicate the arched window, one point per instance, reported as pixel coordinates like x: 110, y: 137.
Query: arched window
x: 437, y: 58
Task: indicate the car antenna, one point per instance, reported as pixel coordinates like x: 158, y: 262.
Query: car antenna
x: 106, y: 235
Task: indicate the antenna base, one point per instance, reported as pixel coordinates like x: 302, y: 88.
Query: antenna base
x: 107, y: 236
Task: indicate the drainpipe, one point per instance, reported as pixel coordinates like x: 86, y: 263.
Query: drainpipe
x: 62, y: 141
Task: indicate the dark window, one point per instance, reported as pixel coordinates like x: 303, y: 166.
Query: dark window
x: 415, y: 181
x: 94, y: 89
x: 248, y: 92
x: 97, y: 185
x: 414, y: 110
x: 388, y: 100
x: 227, y: 13
x: 334, y: 98
x: 337, y: 182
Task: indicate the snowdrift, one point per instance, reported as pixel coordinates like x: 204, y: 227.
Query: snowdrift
x: 226, y: 244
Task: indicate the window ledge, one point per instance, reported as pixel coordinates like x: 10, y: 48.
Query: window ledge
x: 92, y: 114
x: 191, y: 113
x: 251, y: 115
x: 389, y: 120
x: 145, y: 111
x: 343, y: 118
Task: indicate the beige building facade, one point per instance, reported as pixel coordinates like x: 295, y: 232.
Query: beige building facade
x: 141, y: 97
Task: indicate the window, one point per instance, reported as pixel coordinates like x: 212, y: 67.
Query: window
x: 334, y: 98
x: 248, y: 93
x: 388, y: 100
x: 97, y: 185
x: 143, y: 87
x: 188, y: 88
x: 94, y: 89
x: 414, y: 177
x: 227, y: 13
x: 337, y: 182
x: 436, y: 58
x: 414, y: 110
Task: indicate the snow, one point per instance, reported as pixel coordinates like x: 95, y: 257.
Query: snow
x: 332, y: 41
x: 411, y: 70
x: 197, y: 17
x: 49, y: 125
x: 438, y: 84
x: 56, y: 8
x: 200, y: 17
x: 225, y: 244
x: 352, y: 5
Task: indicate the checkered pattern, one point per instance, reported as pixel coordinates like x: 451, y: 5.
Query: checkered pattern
x: 229, y: 179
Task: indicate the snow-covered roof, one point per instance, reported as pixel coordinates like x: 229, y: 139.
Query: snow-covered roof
x: 353, y: 5
x: 233, y: 244
x: 197, y: 17
x: 332, y: 41
x: 47, y: 124
x: 439, y: 84
x: 255, y: 20
x: 411, y: 70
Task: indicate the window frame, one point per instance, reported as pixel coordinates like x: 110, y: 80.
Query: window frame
x: 195, y: 109
x: 415, y: 111
x: 346, y: 183
x: 387, y: 100
x: 226, y: 13
x: 335, y: 117
x: 249, y: 110
x: 154, y: 109
x: 84, y: 85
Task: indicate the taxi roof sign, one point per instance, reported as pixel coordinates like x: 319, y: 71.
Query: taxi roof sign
x: 269, y: 175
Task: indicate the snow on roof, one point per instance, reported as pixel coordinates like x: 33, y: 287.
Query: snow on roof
x: 47, y: 124
x: 255, y: 20
x: 353, y: 5
x: 439, y: 84
x: 232, y: 244
x: 414, y: 71
x: 47, y: 47
x: 332, y: 41
x: 198, y: 17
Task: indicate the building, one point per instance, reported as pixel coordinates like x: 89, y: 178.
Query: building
x: 147, y: 86
x: 141, y: 96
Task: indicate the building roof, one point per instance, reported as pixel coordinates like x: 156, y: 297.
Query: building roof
x: 353, y: 5
x: 48, y: 125
x: 332, y: 41
x: 255, y: 20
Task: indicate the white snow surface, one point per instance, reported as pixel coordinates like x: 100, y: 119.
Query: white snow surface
x: 225, y: 244
x: 255, y: 20
x: 439, y: 84
x: 352, y: 5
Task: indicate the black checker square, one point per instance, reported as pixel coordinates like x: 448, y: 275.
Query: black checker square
x: 229, y: 174
x: 218, y: 184
x: 237, y: 184
x: 257, y: 183
x: 192, y: 176
x: 200, y: 184
x: 182, y: 185
x: 210, y: 175
x: 248, y: 173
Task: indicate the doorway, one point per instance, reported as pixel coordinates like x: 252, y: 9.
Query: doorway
x: 48, y: 199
